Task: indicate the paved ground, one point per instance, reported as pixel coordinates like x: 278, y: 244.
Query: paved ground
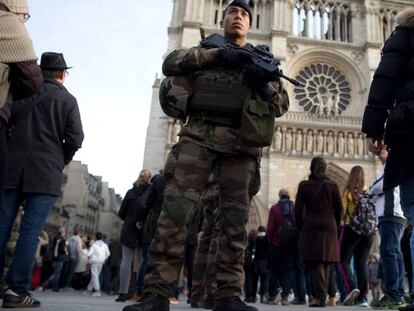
x: 73, y: 301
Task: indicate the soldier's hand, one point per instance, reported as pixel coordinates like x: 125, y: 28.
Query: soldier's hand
x: 231, y: 58
x: 257, y: 77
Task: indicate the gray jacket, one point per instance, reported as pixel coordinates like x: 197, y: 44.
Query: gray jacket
x: 46, y: 131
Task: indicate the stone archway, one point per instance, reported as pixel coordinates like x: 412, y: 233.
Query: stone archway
x: 338, y: 174
x: 258, y: 214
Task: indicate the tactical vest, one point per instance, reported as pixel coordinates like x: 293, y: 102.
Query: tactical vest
x: 219, y: 93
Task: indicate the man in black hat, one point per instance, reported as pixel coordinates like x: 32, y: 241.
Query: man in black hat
x: 211, y: 143
x: 46, y: 133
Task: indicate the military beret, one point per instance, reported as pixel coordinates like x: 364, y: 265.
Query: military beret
x: 243, y: 4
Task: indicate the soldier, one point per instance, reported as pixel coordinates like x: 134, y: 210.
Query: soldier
x: 228, y: 85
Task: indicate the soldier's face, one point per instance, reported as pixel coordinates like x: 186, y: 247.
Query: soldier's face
x: 236, y: 22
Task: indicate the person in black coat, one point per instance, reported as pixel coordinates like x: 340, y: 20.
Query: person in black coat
x: 389, y: 115
x: 133, y: 213
x: 391, y: 102
x: 150, y: 216
x: 46, y: 132
x: 261, y: 270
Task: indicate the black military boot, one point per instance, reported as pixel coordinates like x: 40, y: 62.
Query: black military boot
x: 150, y: 302
x: 232, y: 304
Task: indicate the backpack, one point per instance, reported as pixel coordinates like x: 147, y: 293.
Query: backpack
x: 363, y: 221
x: 288, y: 232
x: 4, y: 83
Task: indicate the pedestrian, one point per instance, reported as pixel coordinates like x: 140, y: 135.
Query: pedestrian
x: 59, y: 257
x: 284, y: 253
x: 213, y: 135
x: 114, y: 261
x: 20, y: 74
x: 261, y: 270
x: 355, y: 245
x: 388, y: 118
x: 98, y: 253
x: 374, y: 278
x: 391, y: 224
x: 75, y: 247
x: 248, y: 267
x: 318, y: 211
x: 133, y: 213
x: 153, y: 209
x: 46, y: 133
x: 41, y: 247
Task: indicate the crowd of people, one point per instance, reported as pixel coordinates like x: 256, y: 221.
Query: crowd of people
x: 321, y: 247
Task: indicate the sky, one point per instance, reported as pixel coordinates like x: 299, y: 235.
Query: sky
x: 116, y: 49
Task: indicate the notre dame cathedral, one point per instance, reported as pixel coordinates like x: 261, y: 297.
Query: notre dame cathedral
x: 332, y: 47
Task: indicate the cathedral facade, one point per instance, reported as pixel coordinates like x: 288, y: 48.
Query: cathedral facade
x: 332, y: 47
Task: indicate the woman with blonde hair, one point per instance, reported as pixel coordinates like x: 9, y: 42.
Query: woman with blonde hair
x: 354, y: 245
x: 133, y: 213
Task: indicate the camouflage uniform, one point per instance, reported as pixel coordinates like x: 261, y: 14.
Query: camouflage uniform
x: 204, y: 145
x: 204, y: 277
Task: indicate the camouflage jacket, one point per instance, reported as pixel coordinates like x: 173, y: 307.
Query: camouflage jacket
x: 220, y: 138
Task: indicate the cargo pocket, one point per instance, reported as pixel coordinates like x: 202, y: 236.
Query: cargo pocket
x: 171, y: 162
x: 257, y: 123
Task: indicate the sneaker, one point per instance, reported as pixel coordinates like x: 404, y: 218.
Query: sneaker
x: 11, y: 299
x: 150, y: 302
x: 351, y: 297
x: 363, y: 303
x: 122, y: 298
x: 173, y: 301
x: 232, y: 304
x: 96, y: 294
x: 40, y: 289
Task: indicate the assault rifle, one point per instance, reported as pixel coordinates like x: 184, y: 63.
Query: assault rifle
x: 259, y: 55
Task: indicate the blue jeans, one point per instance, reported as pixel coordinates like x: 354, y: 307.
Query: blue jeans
x: 143, y: 259
x: 407, y: 204
x: 35, y: 214
x: 53, y: 280
x: 73, y: 262
x: 392, y: 259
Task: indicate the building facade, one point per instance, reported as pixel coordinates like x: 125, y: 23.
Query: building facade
x: 90, y: 204
x: 332, y: 47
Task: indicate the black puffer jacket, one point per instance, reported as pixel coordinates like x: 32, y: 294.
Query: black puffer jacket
x: 391, y: 101
x: 133, y: 210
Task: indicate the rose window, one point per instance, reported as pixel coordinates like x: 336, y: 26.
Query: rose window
x: 323, y: 90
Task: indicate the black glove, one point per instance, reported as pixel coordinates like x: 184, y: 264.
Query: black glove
x: 257, y: 77
x: 231, y: 58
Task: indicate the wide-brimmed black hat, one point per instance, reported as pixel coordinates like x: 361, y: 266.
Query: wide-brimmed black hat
x: 53, y: 61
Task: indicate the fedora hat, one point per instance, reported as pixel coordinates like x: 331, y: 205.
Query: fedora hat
x: 53, y: 61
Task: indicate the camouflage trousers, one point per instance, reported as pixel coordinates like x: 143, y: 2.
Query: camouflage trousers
x: 187, y: 171
x: 204, y: 275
